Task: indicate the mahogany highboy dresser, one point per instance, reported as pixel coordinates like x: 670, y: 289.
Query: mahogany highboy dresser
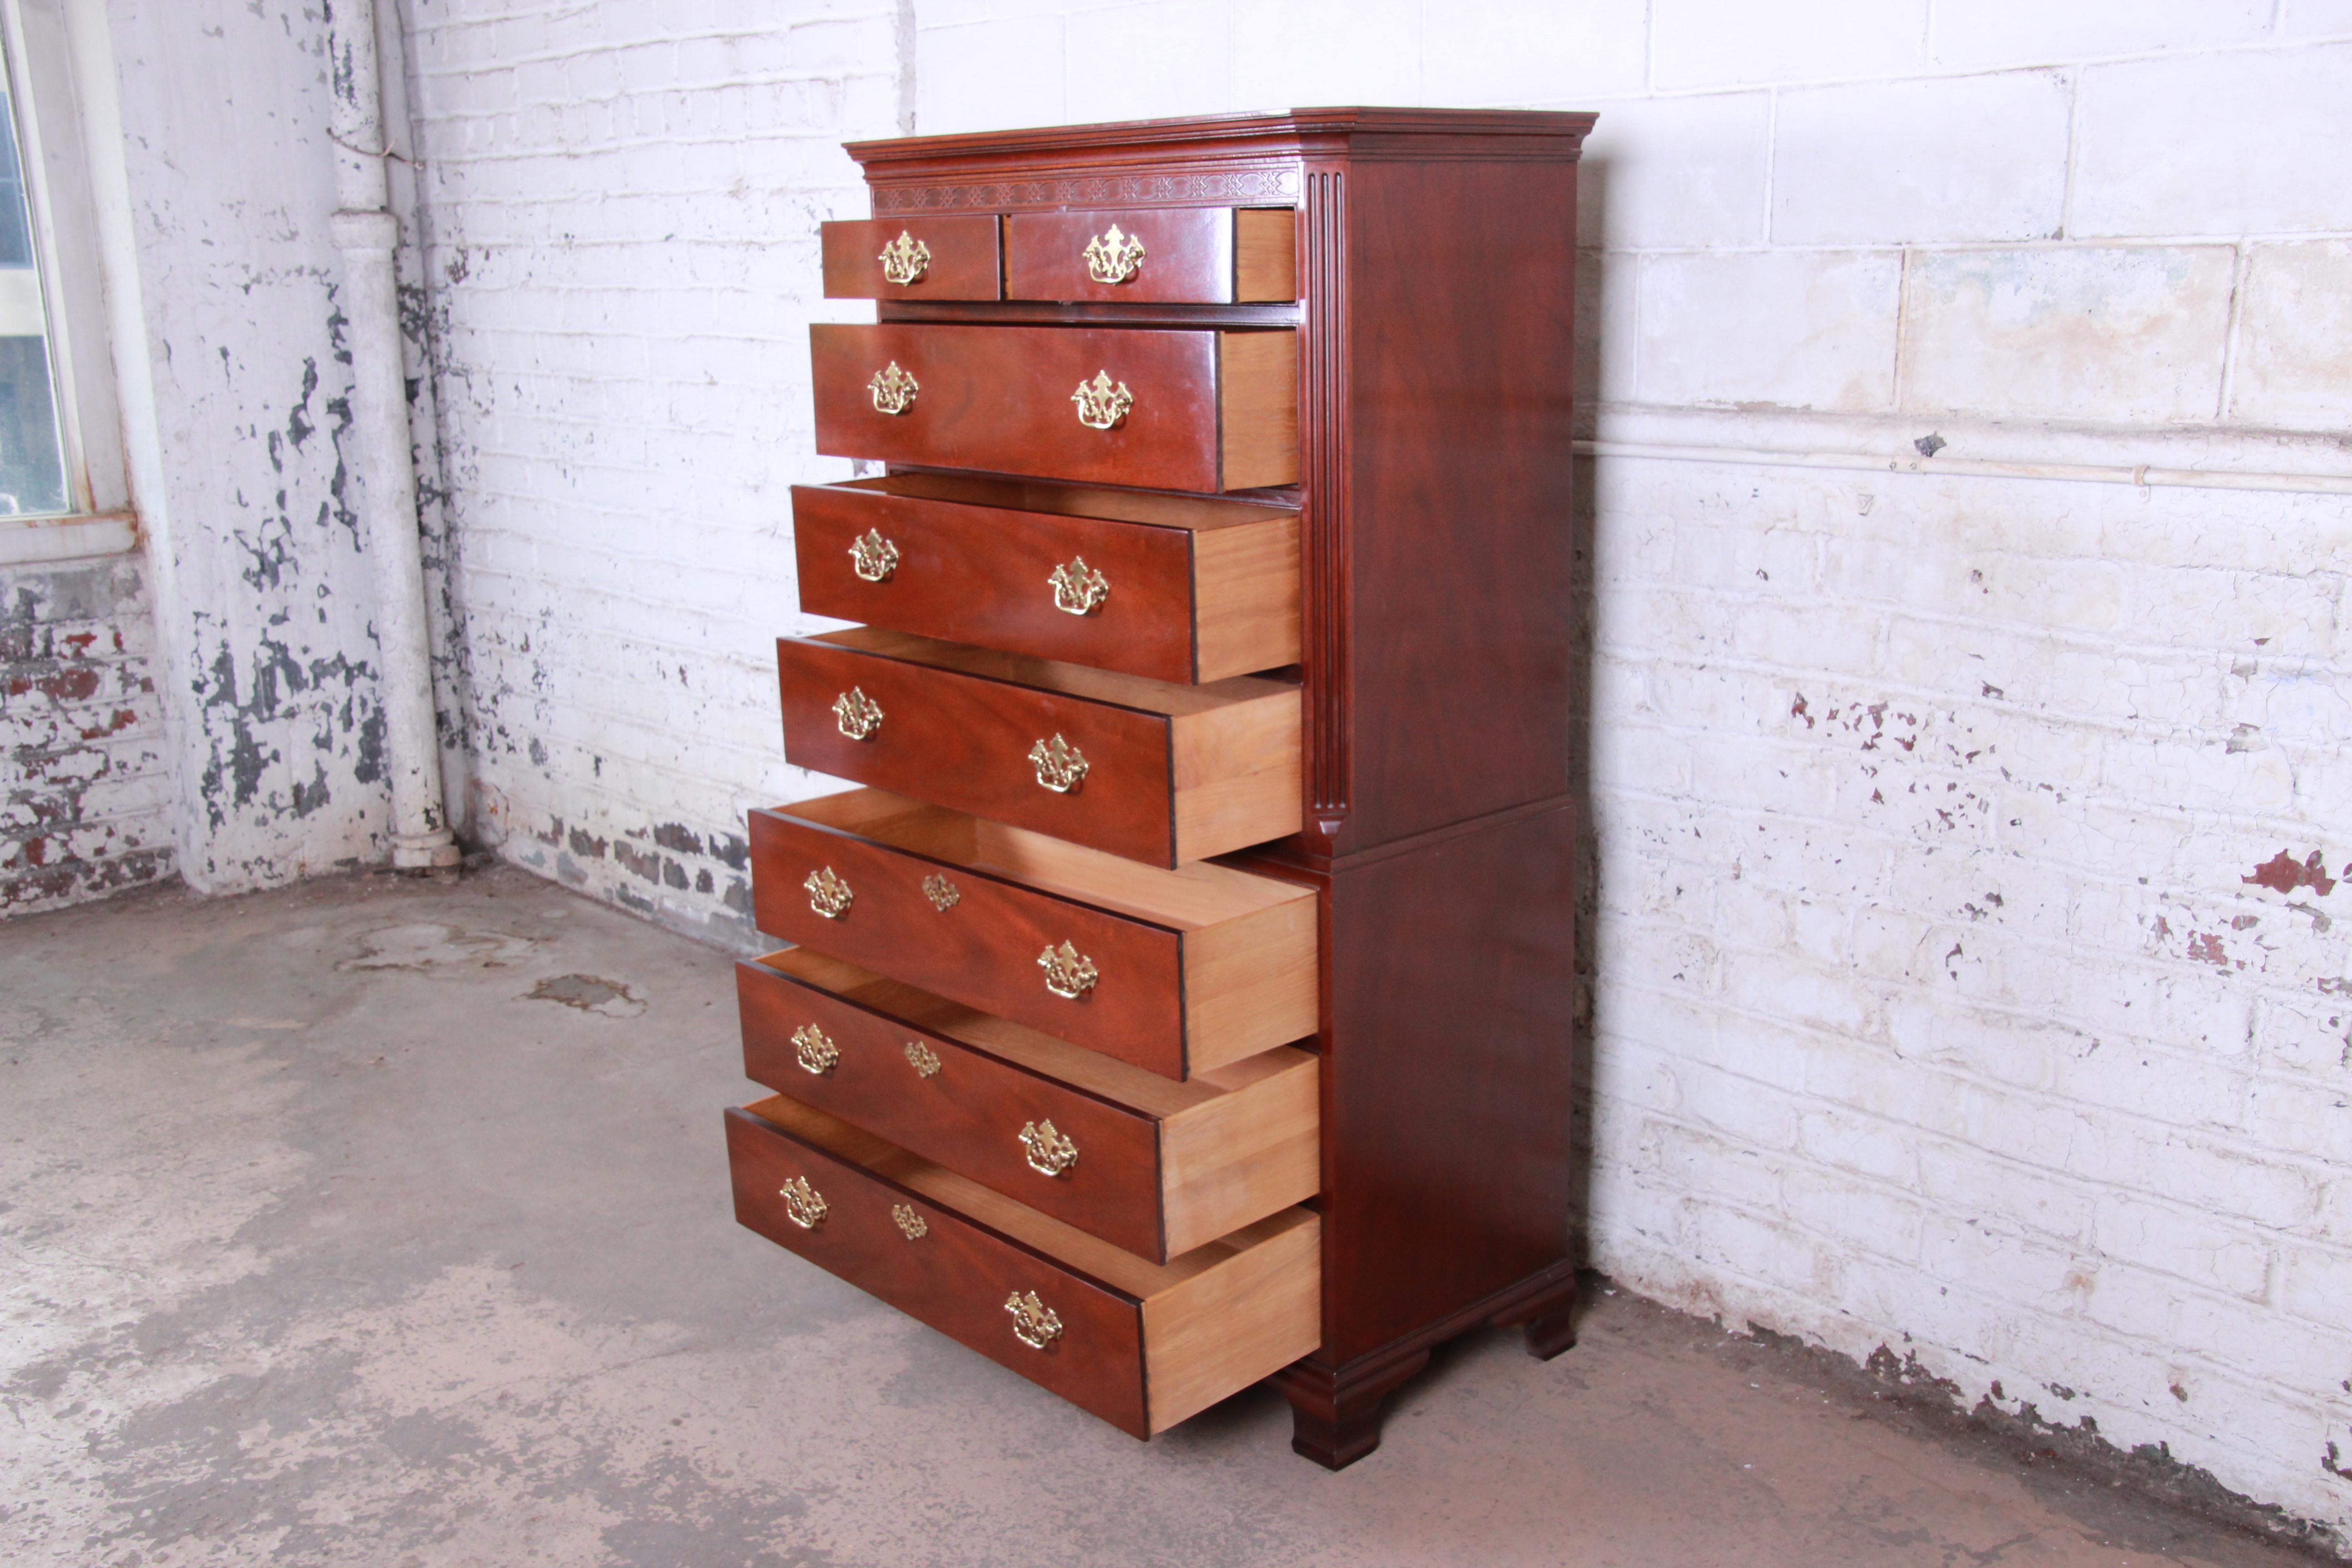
x: 1183, y: 998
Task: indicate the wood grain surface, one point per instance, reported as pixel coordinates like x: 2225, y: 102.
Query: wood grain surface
x: 966, y: 261
x: 1188, y: 604
x: 998, y: 399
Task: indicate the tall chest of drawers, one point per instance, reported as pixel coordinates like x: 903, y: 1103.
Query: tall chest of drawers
x: 1183, y: 997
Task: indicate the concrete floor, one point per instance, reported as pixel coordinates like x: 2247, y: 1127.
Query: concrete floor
x: 372, y: 1222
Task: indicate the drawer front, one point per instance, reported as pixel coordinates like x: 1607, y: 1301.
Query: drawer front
x: 955, y: 1274
x: 1205, y: 255
x: 984, y: 574
x: 983, y: 948
x: 964, y: 742
x: 1203, y: 411
x: 913, y: 259
x: 964, y: 1109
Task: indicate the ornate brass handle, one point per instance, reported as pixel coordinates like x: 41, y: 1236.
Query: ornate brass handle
x: 804, y: 1204
x: 1112, y: 256
x: 874, y: 558
x: 1034, y: 1324
x: 894, y: 390
x: 1068, y: 973
x: 943, y: 894
x: 1079, y: 588
x: 828, y: 894
x: 857, y: 715
x: 1103, y: 404
x: 904, y: 260
x: 815, y: 1052
x: 1061, y: 767
x: 1050, y: 1154
x: 911, y: 1225
x: 922, y: 1058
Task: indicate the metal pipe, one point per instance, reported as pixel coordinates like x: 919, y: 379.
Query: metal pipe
x: 366, y: 233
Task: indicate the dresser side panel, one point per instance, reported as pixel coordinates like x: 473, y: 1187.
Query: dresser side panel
x: 1446, y: 1077
x: 1461, y: 323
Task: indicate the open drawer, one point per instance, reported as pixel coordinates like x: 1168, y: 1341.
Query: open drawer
x: 1178, y: 972
x: 1143, y: 1345
x: 1147, y: 1165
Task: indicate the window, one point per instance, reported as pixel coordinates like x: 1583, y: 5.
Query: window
x: 32, y: 440
x: 65, y: 482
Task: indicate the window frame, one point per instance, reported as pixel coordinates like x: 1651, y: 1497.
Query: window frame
x: 61, y: 209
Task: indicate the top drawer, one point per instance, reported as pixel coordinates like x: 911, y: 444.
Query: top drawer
x: 922, y: 258
x: 1213, y: 255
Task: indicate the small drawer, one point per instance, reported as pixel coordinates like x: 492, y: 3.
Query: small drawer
x: 913, y: 259
x: 1177, y: 588
x: 1215, y: 255
x: 1178, y: 972
x: 1143, y: 1345
x: 1155, y: 1167
x: 1146, y: 769
x: 1189, y: 410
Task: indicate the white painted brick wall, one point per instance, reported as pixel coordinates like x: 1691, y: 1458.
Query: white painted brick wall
x: 622, y: 204
x: 1934, y: 1008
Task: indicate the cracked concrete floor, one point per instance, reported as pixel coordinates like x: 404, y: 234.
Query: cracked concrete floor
x: 371, y: 1222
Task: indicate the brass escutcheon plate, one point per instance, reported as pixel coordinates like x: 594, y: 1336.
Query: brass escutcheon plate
x: 857, y: 715
x: 1034, y: 1324
x: 1079, y: 588
x: 894, y: 390
x: 1103, y: 404
x: 1069, y: 974
x: 1049, y: 1153
x: 904, y: 260
x: 874, y: 558
x: 1112, y: 256
x: 815, y: 1052
x: 828, y: 894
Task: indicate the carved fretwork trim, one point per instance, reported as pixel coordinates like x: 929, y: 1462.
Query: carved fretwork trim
x: 1276, y: 182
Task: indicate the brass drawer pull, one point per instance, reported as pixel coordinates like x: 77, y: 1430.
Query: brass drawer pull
x: 1061, y: 767
x: 911, y: 1225
x: 922, y: 1058
x: 1112, y: 256
x: 857, y: 715
x: 804, y: 1204
x: 944, y: 895
x: 904, y: 260
x: 816, y: 1053
x: 874, y: 558
x: 1069, y: 974
x: 1050, y: 1154
x: 1079, y: 588
x: 894, y: 390
x: 1034, y: 1323
x: 1102, y: 405
x: 828, y: 894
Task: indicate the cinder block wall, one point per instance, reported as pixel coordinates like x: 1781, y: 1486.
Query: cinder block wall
x: 1967, y: 979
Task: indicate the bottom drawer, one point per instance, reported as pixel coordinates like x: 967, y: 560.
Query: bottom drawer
x: 1143, y: 1345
